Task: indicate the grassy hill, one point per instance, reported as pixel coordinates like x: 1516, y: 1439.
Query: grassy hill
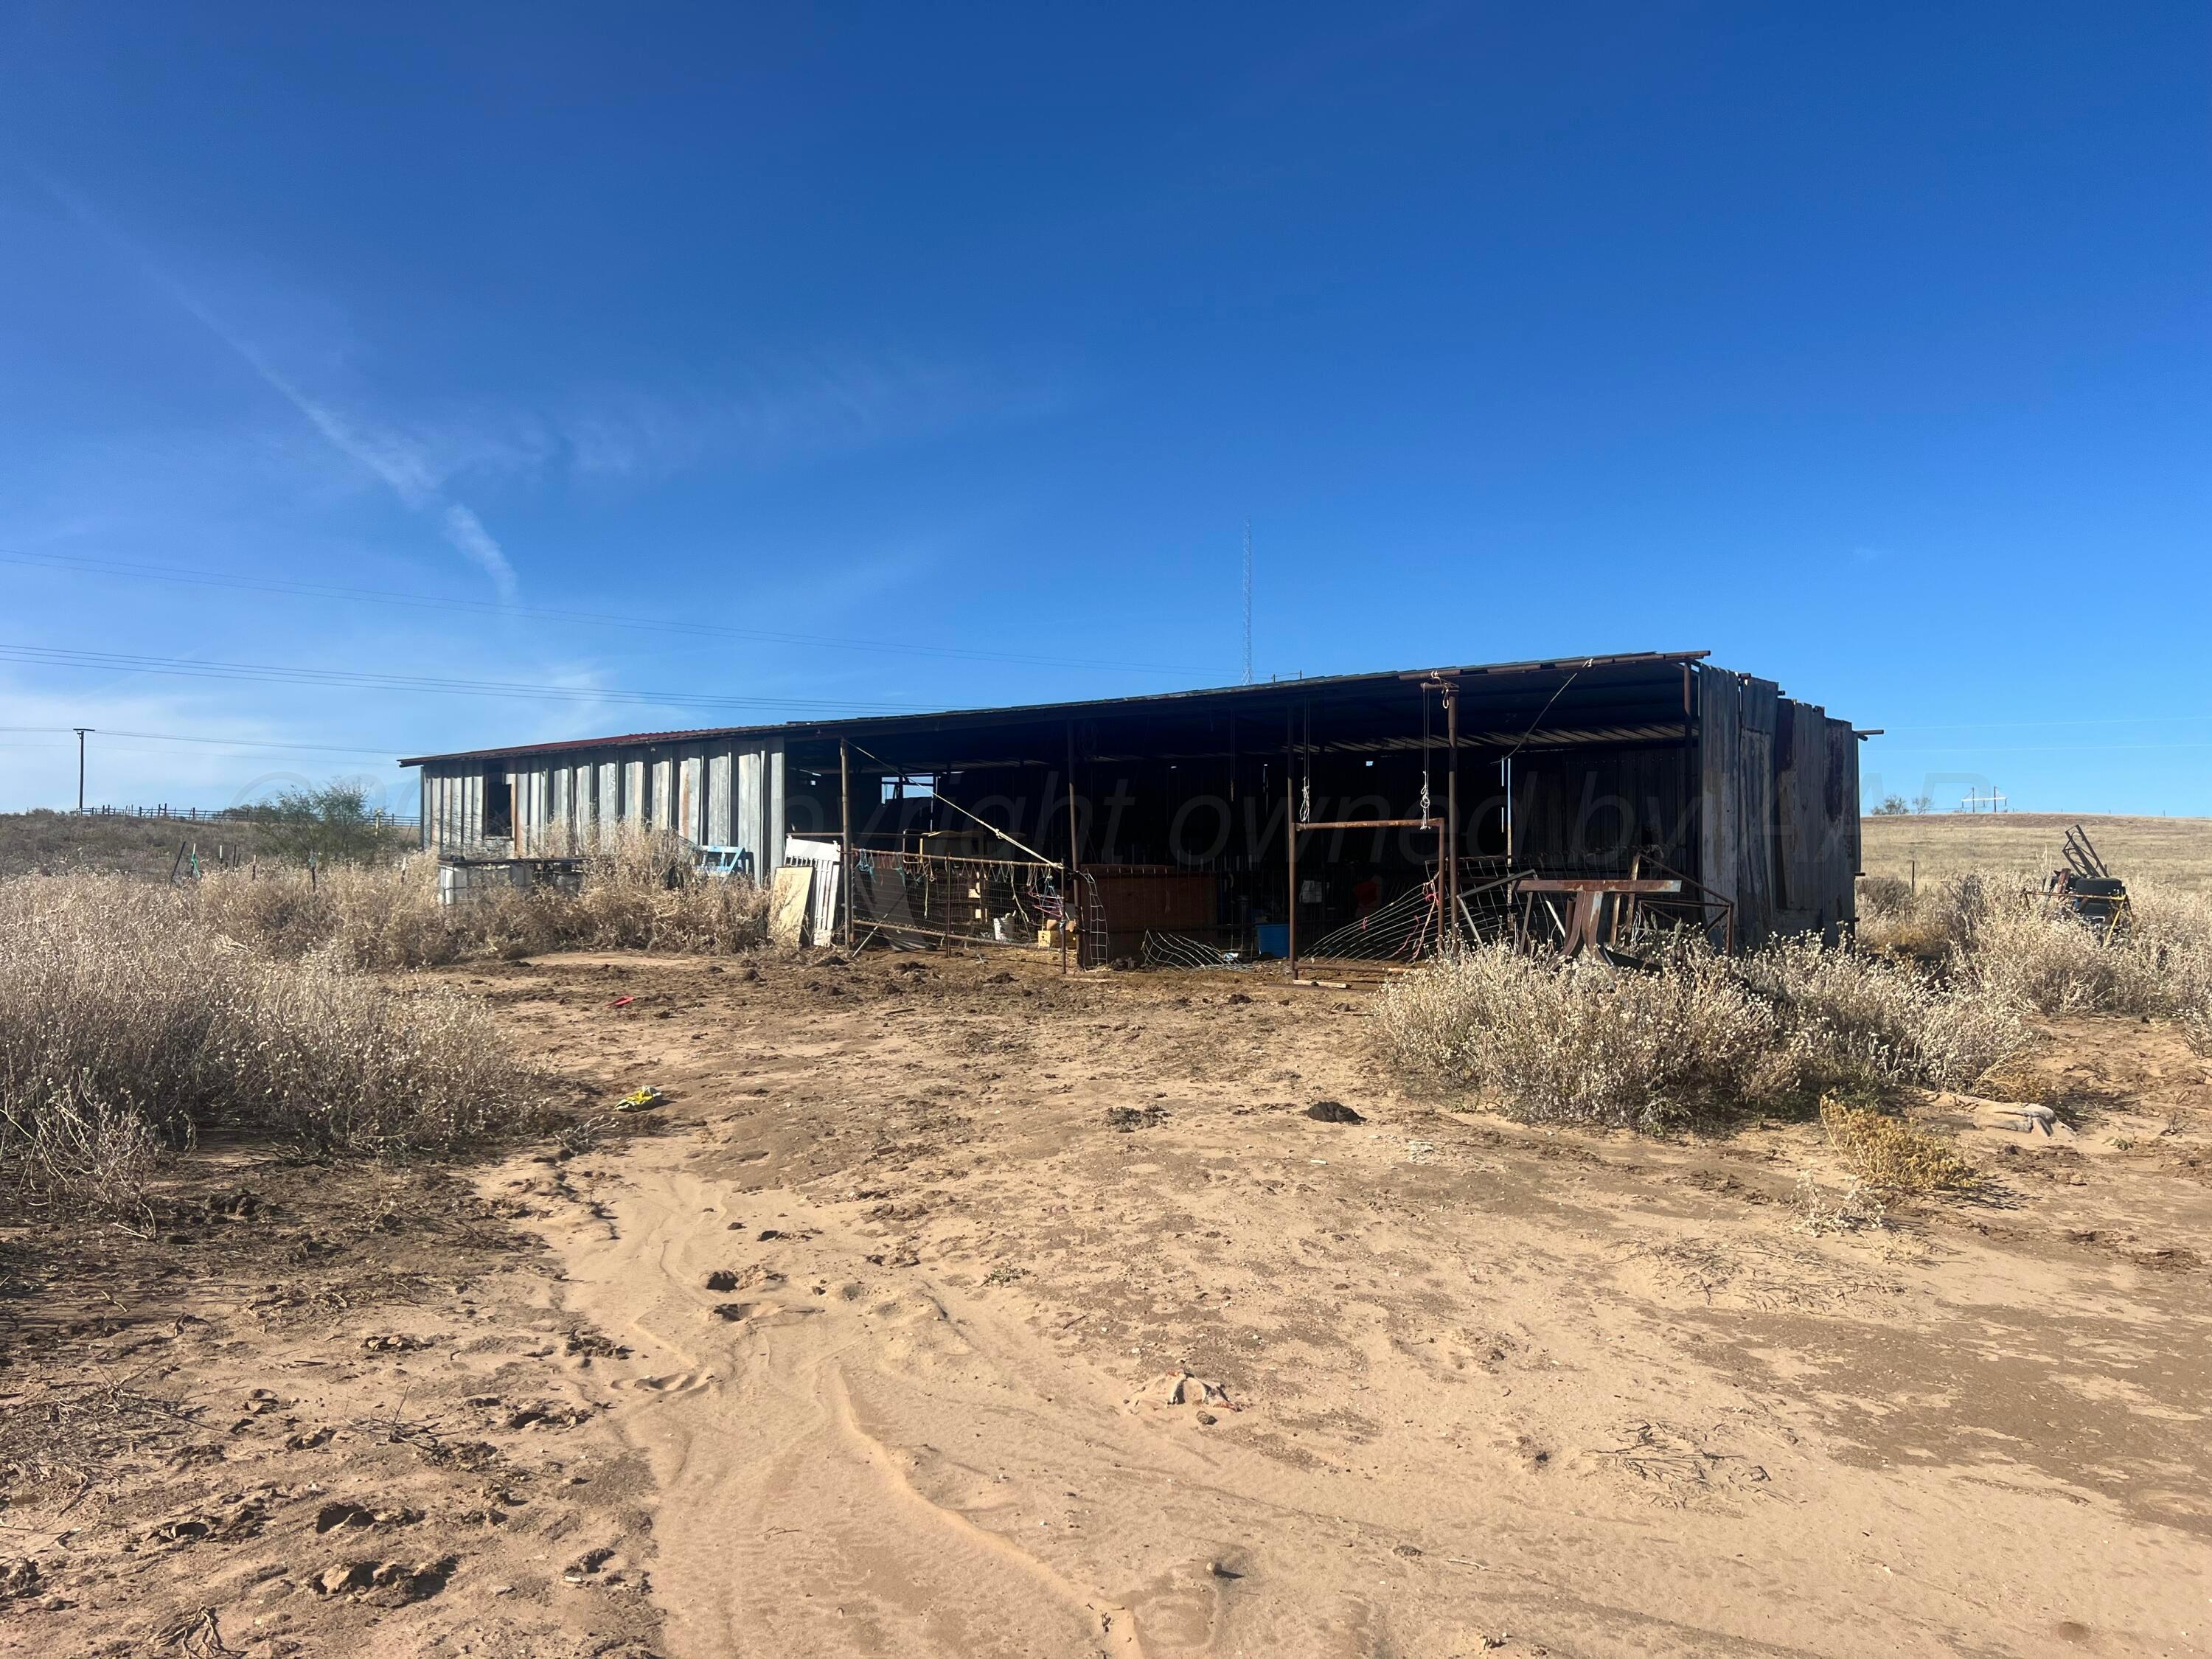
x: 2172, y: 851
x: 47, y: 842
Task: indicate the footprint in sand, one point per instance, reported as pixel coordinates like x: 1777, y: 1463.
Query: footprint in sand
x: 676, y: 1383
x: 760, y: 1314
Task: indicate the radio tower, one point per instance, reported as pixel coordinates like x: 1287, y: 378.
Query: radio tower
x: 1248, y: 601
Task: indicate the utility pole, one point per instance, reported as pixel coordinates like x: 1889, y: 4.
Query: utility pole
x: 1248, y: 601
x: 80, y: 730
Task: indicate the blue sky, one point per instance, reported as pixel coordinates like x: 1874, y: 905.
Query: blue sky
x: 1865, y: 345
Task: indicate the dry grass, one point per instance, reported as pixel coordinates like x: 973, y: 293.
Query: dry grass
x: 1890, y: 1158
x: 1575, y: 1042
x: 132, y: 1015
x: 641, y: 894
x: 49, y: 843
x: 2171, y: 853
x: 1861, y: 1024
x: 1943, y: 991
x: 128, y: 1023
x: 1857, y: 1206
x: 2018, y: 948
x: 1578, y: 1042
x: 2197, y: 1029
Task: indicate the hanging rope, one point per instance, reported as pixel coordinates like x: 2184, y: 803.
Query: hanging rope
x: 1588, y: 662
x: 1424, y: 753
x: 1306, y: 790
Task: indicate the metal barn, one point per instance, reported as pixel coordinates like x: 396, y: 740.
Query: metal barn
x: 1589, y: 801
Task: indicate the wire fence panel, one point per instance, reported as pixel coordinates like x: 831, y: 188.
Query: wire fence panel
x: 1166, y: 950
x: 220, y: 815
x: 974, y: 901
x: 1402, y: 930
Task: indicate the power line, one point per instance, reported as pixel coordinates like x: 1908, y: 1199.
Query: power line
x: 2040, y: 748
x: 492, y: 608
x: 2013, y: 725
x: 226, y: 743
x: 281, y: 674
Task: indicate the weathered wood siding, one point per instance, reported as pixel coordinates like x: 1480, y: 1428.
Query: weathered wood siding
x: 1778, y: 816
x: 1590, y: 810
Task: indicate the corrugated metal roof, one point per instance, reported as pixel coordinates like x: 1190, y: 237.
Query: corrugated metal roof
x: 1055, y: 710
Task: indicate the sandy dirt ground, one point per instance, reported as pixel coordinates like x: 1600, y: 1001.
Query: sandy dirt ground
x: 949, y: 1308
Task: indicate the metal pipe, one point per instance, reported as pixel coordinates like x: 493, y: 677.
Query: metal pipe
x: 1375, y: 824
x: 1505, y: 772
x: 1451, y: 795
x: 1290, y: 823
x: 1074, y: 853
x: 1444, y: 916
x: 845, y: 836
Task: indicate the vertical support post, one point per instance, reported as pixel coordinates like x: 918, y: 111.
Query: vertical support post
x: 1074, y: 855
x: 1447, y: 905
x: 1291, y: 827
x: 1693, y: 791
x: 845, y: 839
x: 1505, y: 771
x: 1451, y: 802
x: 81, y: 731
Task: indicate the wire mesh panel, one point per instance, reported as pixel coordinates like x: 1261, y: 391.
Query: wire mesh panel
x: 973, y: 901
x: 1166, y: 949
x: 1402, y: 930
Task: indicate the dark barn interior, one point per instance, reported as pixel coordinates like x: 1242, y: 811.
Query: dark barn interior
x: 1596, y: 760
x: 1176, y: 808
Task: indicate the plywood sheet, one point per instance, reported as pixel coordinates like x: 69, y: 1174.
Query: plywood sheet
x: 790, y: 899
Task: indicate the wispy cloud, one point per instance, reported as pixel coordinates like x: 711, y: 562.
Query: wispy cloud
x: 403, y: 465
x: 794, y: 410
x: 466, y: 531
